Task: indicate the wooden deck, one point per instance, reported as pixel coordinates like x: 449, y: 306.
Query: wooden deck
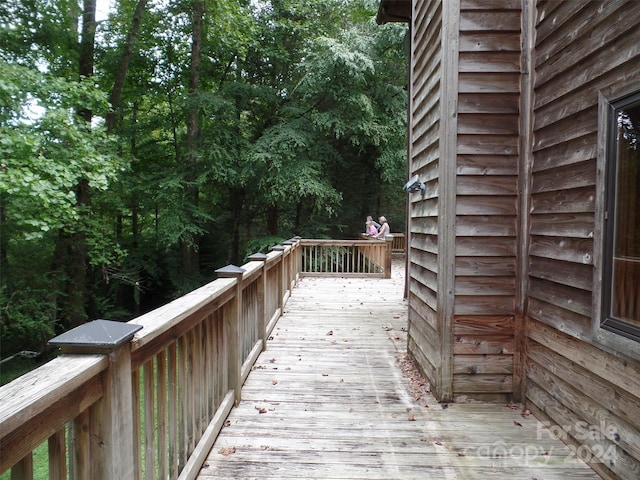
x: 333, y: 396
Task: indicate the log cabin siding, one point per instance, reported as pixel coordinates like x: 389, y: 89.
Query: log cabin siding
x: 464, y: 113
x: 423, y: 342
x: 528, y: 214
x: 486, y: 199
x: 581, y: 49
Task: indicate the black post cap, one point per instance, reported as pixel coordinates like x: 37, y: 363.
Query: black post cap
x: 98, y: 336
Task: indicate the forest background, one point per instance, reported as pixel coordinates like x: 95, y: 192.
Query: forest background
x: 142, y: 151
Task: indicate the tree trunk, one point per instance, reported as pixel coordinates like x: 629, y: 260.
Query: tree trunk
x: 272, y: 220
x: 87, y: 46
x: 123, y: 66
x: 237, y: 204
x: 189, y: 246
x: 71, y: 251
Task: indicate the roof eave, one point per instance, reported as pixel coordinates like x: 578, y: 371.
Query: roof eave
x: 394, y: 11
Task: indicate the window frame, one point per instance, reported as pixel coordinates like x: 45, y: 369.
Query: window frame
x: 610, y: 331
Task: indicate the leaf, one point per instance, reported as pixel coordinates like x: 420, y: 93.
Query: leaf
x: 517, y: 424
x: 227, y: 451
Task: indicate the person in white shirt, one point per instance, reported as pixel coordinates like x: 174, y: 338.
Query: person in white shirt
x: 384, y: 230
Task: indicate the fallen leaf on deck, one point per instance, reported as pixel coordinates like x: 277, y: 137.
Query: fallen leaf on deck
x: 517, y: 424
x: 525, y: 412
x: 274, y: 382
x: 330, y: 332
x: 261, y: 409
x: 412, y: 418
x: 227, y: 451
x: 272, y: 360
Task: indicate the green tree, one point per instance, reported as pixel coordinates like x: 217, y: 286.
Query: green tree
x: 198, y: 133
x: 43, y: 155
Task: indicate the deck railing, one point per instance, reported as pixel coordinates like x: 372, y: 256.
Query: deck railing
x: 347, y: 257
x: 399, y: 244
x: 146, y: 399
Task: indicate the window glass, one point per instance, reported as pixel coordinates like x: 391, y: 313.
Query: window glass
x: 622, y: 232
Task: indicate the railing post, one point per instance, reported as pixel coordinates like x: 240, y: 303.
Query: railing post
x: 233, y: 328
x: 262, y: 298
x: 112, y: 419
x: 281, y: 277
x: 388, y: 256
x: 289, y: 266
x: 298, y: 258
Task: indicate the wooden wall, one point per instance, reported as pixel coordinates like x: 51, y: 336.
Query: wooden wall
x: 582, y: 50
x: 486, y: 198
x: 424, y: 338
x: 464, y: 146
x: 506, y: 243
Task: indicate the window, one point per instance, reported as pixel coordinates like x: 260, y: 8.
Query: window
x: 621, y: 256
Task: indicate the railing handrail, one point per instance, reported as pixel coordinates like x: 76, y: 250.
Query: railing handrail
x: 221, y: 325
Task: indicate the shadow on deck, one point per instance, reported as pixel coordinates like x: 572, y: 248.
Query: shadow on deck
x: 334, y: 396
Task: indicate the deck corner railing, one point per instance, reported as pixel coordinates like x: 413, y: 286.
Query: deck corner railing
x: 367, y: 257
x: 150, y: 404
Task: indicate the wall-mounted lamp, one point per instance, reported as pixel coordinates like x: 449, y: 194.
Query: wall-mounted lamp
x: 414, y: 185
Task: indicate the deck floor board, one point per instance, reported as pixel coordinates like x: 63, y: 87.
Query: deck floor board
x: 328, y: 399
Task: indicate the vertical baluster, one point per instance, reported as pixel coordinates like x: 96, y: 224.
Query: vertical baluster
x: 182, y: 400
x: 149, y: 421
x: 23, y: 470
x: 137, y: 424
x: 80, y: 452
x: 57, y: 456
x: 162, y: 414
x: 172, y: 418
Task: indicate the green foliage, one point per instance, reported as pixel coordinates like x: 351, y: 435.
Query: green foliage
x: 43, y: 157
x: 301, y: 130
x: 25, y: 319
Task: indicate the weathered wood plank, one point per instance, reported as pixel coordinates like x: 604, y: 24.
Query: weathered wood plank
x: 328, y: 399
